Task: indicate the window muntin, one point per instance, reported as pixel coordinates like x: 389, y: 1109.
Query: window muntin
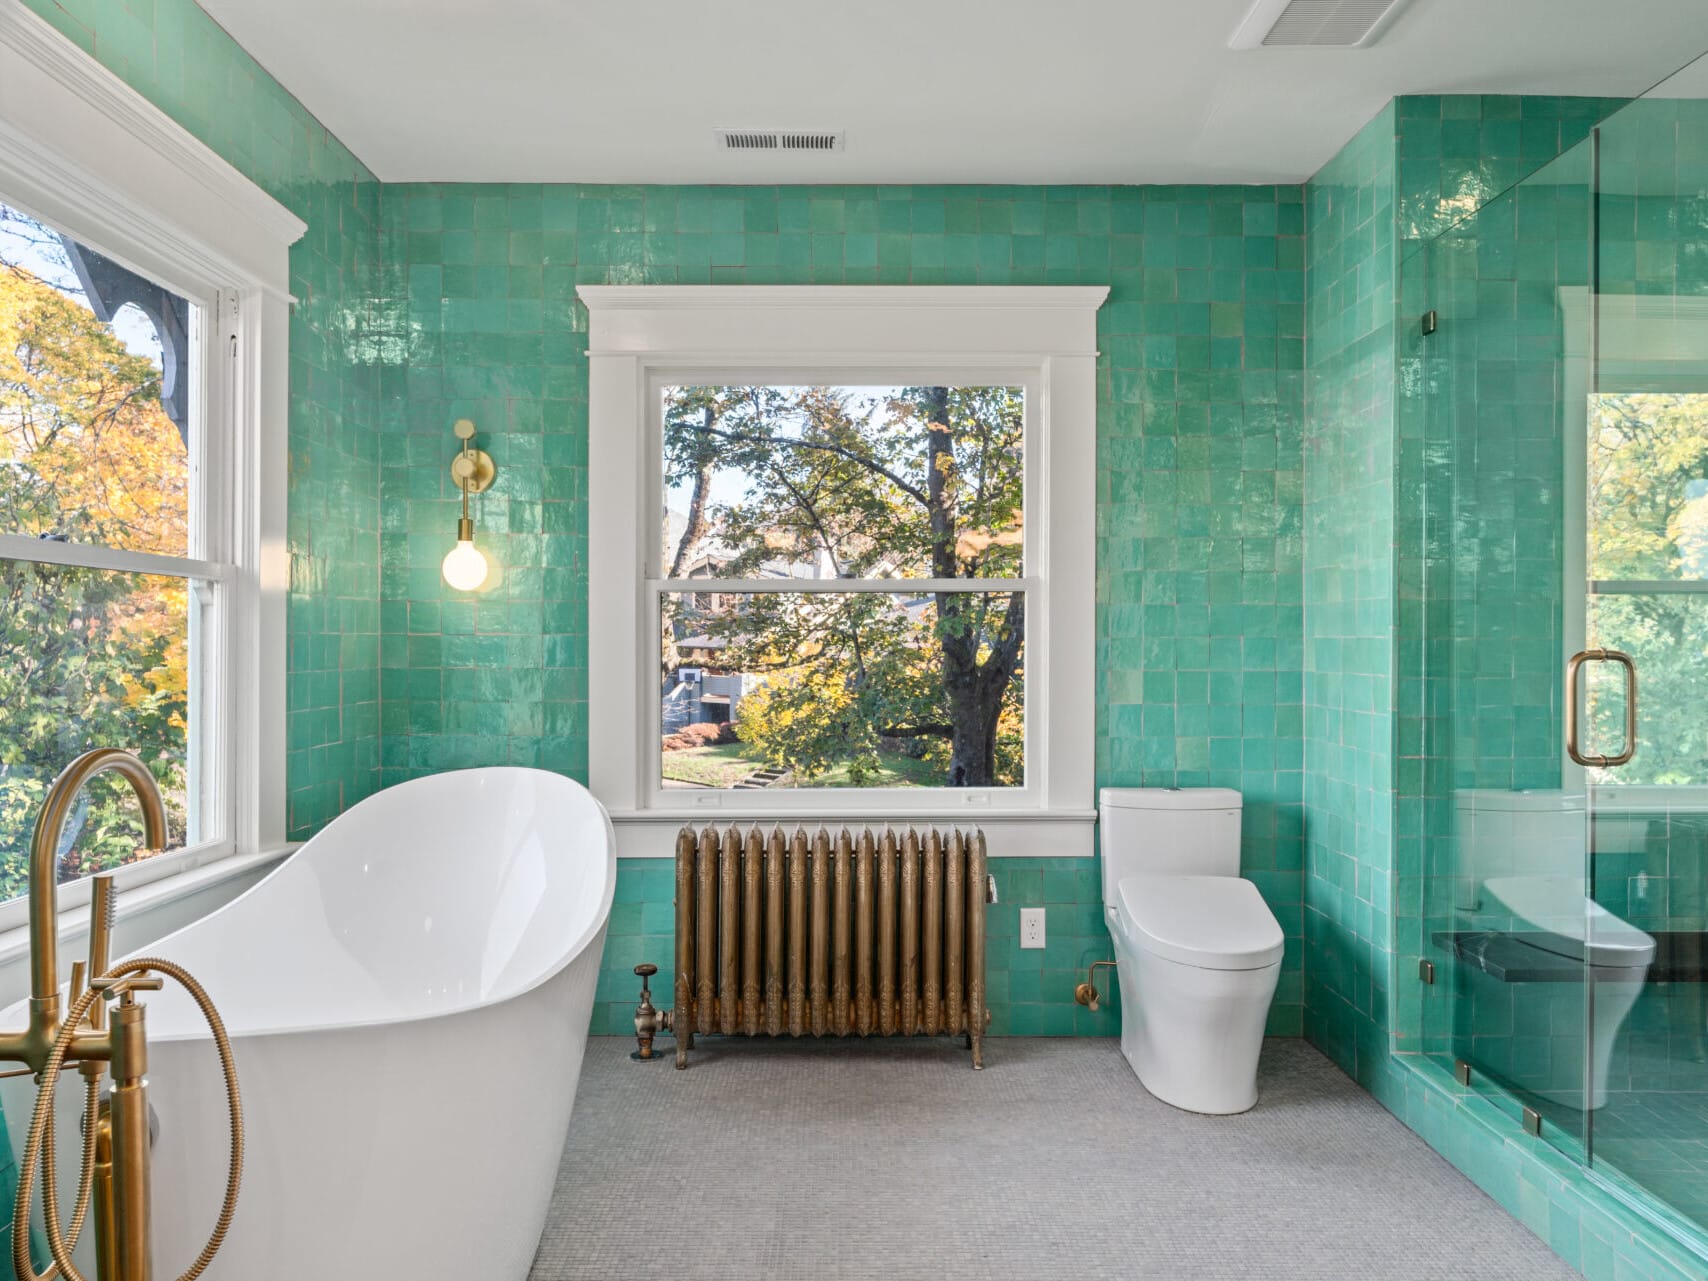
x: 796, y: 509
x: 109, y: 630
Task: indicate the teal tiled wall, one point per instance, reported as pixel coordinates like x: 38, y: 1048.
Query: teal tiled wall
x: 1200, y: 487
x: 177, y: 57
x: 1349, y: 595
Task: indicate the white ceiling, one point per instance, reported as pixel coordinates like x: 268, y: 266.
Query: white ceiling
x: 928, y: 91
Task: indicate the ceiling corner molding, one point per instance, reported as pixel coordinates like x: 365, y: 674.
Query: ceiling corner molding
x: 62, y: 108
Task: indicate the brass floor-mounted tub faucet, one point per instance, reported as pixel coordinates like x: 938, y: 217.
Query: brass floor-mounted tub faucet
x: 116, y: 1136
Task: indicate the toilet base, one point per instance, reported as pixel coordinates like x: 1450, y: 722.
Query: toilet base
x: 1193, y: 1036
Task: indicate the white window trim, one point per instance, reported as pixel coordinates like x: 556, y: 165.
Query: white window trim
x: 1628, y: 342
x: 84, y: 152
x: 1043, y: 336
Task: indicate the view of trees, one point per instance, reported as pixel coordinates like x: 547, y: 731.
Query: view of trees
x: 1648, y: 512
x: 885, y: 484
x: 87, y: 657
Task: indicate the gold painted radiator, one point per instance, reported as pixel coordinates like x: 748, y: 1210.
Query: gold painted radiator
x: 830, y: 934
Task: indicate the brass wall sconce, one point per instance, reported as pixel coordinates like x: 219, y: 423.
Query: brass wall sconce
x: 464, y: 567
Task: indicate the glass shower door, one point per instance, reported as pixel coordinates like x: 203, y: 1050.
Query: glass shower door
x: 1506, y: 884
x: 1642, y: 337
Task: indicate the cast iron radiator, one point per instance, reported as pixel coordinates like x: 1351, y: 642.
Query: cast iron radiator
x: 830, y: 934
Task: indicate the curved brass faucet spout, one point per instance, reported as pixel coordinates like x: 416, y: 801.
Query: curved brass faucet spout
x: 44, y: 869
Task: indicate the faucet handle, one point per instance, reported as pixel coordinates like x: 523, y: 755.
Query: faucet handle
x: 128, y: 983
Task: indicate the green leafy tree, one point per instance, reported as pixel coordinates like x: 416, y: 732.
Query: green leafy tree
x: 925, y: 482
x: 1648, y: 506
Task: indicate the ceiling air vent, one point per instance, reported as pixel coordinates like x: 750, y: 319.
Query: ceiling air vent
x: 1314, y: 24
x: 778, y: 140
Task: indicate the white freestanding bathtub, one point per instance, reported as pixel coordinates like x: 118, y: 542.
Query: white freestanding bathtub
x: 408, y: 997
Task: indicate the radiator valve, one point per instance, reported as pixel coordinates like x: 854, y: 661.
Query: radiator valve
x: 649, y: 1020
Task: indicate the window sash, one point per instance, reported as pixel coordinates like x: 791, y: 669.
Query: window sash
x: 1034, y: 505
x: 209, y: 764
x: 37, y: 551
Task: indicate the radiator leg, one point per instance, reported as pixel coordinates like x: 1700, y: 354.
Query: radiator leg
x: 976, y: 1041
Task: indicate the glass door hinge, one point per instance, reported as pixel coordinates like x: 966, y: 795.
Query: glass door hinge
x: 1429, y: 322
x: 1426, y: 970
x: 1532, y: 1122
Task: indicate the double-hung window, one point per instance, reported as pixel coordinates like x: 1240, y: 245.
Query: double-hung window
x: 143, y: 316
x: 111, y: 570
x: 842, y: 552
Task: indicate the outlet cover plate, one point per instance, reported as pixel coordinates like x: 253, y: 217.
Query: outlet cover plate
x: 1031, y: 927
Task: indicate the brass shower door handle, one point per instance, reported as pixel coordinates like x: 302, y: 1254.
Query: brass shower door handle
x: 1574, y: 691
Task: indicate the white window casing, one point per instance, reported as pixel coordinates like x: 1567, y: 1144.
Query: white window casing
x: 1043, y: 338
x: 86, y: 154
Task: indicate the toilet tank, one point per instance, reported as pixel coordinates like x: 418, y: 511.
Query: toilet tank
x: 1167, y: 831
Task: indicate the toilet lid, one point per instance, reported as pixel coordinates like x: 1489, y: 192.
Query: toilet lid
x: 1210, y: 922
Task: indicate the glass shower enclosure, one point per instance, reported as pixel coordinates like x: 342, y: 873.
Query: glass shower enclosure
x: 1559, y: 366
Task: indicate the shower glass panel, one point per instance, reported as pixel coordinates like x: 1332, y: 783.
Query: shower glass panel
x: 1558, y: 648
x: 1644, y: 416
x: 1505, y: 816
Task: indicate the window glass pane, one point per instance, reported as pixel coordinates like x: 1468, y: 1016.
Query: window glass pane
x: 1667, y: 636
x: 94, y: 396
x: 842, y: 482
x: 1648, y: 486
x: 834, y: 689
x: 89, y: 658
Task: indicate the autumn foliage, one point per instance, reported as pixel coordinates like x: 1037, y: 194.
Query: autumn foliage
x: 87, y: 657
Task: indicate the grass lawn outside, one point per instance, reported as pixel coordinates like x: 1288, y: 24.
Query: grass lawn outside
x: 725, y: 766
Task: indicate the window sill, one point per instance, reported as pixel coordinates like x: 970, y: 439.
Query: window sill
x: 1008, y: 833
x: 1648, y: 798
x: 74, y: 921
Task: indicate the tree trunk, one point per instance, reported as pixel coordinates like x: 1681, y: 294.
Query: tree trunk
x: 973, y: 690
x: 693, y: 530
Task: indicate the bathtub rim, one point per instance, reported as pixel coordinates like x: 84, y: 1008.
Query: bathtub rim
x: 198, y: 1031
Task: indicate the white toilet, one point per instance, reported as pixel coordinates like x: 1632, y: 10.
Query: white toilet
x: 1198, y: 951
x: 1521, y: 858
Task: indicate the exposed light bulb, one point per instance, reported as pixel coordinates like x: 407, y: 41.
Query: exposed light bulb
x: 464, y: 567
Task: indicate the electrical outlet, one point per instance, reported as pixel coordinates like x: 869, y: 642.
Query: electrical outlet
x: 1031, y: 927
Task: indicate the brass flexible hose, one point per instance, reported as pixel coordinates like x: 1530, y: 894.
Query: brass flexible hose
x: 85, y: 1183
x: 41, y: 1129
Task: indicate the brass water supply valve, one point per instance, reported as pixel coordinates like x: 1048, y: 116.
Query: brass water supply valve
x: 649, y: 1020
x: 1086, y: 993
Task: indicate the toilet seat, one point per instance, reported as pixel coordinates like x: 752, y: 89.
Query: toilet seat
x: 1207, y: 922
x: 1563, y: 921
